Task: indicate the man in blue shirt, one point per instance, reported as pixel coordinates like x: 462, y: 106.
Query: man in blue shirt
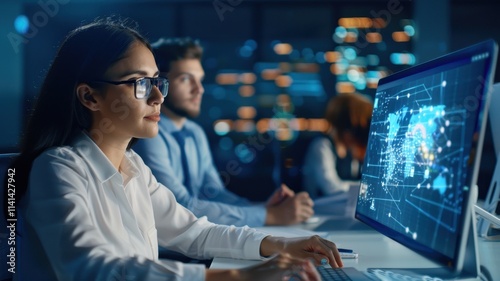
x: 180, y: 156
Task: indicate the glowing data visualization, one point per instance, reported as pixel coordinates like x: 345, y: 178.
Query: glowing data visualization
x: 416, y: 167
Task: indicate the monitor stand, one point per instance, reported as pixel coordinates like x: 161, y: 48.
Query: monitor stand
x: 487, y: 212
x: 469, y: 270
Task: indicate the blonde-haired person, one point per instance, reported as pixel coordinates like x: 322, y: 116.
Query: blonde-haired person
x: 90, y: 209
x: 332, y: 161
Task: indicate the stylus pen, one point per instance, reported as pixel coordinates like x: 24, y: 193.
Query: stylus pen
x: 341, y: 250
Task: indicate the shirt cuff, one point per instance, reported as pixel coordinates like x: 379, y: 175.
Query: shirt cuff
x: 252, y: 245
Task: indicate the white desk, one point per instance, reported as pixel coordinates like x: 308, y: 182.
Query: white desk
x: 378, y: 251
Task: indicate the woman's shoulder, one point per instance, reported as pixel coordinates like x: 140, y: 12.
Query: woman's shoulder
x: 321, y: 141
x: 79, y: 148
x: 59, y: 160
x: 63, y: 153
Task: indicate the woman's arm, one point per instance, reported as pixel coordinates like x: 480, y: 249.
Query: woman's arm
x: 180, y: 230
x: 59, y: 210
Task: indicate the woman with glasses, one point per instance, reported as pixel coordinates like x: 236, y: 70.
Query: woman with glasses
x: 89, y: 209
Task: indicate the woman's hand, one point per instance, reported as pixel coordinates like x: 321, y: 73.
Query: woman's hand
x: 320, y: 250
x: 281, y: 267
x: 295, y: 259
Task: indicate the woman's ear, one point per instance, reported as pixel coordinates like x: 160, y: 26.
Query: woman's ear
x: 85, y: 95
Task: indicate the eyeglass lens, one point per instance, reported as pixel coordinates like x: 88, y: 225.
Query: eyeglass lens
x: 145, y: 85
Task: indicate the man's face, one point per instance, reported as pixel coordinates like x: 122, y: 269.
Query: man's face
x: 185, y: 90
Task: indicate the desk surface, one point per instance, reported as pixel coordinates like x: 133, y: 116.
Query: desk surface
x: 378, y: 251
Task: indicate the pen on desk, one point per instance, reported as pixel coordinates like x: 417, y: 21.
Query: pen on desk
x: 341, y: 250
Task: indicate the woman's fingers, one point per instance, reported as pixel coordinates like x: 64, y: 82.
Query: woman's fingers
x: 335, y: 252
x: 320, y: 250
x: 295, y: 269
x: 325, y: 252
x: 320, y: 259
x: 311, y: 271
x: 301, y: 272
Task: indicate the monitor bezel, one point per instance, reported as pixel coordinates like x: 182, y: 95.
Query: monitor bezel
x: 456, y: 262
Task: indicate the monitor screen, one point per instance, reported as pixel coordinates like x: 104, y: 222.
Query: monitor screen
x: 427, y: 126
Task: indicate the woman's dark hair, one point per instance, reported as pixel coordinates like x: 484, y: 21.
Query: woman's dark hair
x: 84, y: 56
x: 169, y: 50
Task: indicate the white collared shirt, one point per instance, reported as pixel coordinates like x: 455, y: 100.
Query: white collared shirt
x: 83, y: 220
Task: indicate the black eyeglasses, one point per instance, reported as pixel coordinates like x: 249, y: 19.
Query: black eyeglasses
x: 143, y: 85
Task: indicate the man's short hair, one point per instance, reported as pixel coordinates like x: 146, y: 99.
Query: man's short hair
x: 168, y: 50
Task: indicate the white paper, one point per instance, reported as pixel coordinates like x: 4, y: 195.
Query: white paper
x: 291, y: 232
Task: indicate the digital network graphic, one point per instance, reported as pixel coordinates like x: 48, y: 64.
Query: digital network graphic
x: 418, y: 158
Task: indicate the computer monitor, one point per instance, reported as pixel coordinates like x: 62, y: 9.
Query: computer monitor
x: 423, y: 154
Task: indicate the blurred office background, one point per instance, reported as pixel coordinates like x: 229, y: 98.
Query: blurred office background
x: 270, y: 65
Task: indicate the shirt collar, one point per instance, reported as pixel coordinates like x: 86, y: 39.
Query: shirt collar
x: 103, y: 168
